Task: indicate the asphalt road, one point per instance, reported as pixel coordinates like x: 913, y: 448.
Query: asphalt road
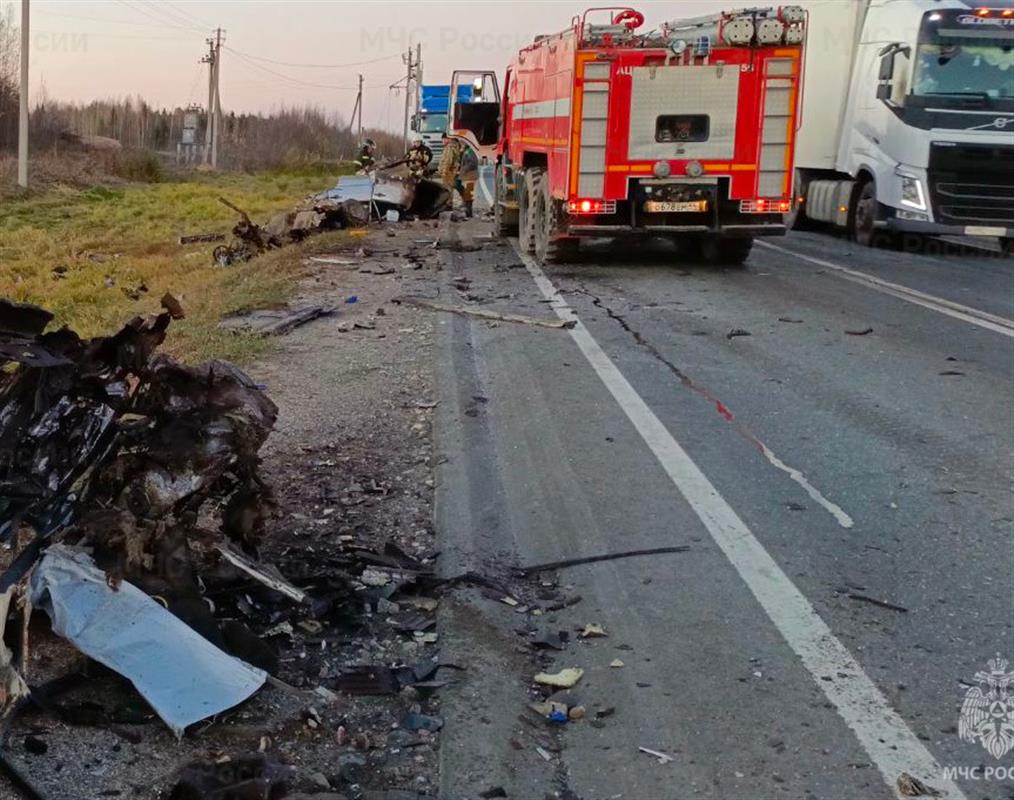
x: 829, y: 429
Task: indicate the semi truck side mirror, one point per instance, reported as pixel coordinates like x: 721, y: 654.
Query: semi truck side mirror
x: 886, y: 76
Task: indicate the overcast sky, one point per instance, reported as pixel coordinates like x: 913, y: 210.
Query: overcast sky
x: 88, y: 49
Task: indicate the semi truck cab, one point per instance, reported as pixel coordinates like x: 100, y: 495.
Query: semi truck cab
x: 925, y: 141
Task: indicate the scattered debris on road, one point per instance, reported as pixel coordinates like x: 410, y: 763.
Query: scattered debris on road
x: 662, y: 757
x: 913, y: 787
x: 202, y: 238
x: 862, y: 598
x: 274, y: 321
x: 737, y: 332
x: 859, y: 332
x: 532, y: 569
x: 564, y: 679
x: 483, y: 313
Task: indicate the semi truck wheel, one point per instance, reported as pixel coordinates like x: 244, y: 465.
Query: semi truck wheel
x: 796, y: 220
x: 864, y: 214
x: 550, y: 248
x: 528, y: 192
x: 504, y: 220
x: 1007, y: 246
x: 722, y: 250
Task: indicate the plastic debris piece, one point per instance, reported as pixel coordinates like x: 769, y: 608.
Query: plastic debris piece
x: 181, y: 674
x: 421, y: 722
x: 593, y: 630
x: 616, y: 664
x: 555, y: 640
x: 913, y: 787
x: 564, y: 679
x: 662, y: 757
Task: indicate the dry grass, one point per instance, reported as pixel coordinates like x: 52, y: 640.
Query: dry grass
x: 86, y: 255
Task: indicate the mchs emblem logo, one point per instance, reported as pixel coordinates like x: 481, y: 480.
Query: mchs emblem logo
x: 987, y: 715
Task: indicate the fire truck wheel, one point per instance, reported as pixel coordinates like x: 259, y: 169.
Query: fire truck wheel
x: 528, y: 192
x: 550, y: 248
x: 720, y: 250
x: 504, y: 221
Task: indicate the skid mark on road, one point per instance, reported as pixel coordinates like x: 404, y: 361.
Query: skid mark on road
x: 880, y: 730
x: 836, y: 511
x: 991, y: 322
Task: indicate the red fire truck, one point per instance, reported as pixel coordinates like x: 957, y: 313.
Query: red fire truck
x: 685, y: 132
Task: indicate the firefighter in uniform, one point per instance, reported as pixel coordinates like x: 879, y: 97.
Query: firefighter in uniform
x: 450, y: 171
x: 365, y: 161
x: 418, y: 157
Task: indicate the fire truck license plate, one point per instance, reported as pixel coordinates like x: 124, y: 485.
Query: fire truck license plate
x: 665, y: 207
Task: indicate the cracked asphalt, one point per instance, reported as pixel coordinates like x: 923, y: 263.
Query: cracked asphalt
x: 798, y: 394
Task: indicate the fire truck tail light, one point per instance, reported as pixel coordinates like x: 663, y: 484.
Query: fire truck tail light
x: 762, y: 205
x: 591, y: 207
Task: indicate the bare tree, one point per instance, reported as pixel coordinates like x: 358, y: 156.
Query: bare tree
x: 9, y: 60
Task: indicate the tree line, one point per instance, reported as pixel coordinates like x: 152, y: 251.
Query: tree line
x: 283, y: 137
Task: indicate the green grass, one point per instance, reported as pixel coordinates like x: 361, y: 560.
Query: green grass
x: 127, y: 235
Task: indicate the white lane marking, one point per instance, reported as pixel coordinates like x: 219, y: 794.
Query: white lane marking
x: 983, y: 319
x: 880, y: 730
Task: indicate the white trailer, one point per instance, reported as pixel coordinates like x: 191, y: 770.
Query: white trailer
x: 908, y: 118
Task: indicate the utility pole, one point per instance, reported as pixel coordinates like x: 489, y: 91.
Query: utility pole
x: 418, y: 70
x: 412, y: 75
x: 359, y: 107
x: 408, y: 97
x: 209, y: 59
x: 23, y: 105
x: 357, y: 110
x: 218, y: 99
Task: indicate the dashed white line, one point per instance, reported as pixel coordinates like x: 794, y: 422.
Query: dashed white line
x: 880, y: 730
x: 983, y: 319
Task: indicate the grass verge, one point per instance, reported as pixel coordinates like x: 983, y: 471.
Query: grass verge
x: 98, y: 256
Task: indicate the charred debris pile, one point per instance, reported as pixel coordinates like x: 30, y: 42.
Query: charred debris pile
x: 351, y: 203
x: 133, y: 510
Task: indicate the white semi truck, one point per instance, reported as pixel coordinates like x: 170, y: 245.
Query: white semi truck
x: 908, y: 118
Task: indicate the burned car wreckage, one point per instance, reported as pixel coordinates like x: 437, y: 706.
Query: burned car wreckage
x: 133, y: 512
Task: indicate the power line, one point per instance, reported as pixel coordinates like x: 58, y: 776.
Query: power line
x: 103, y: 35
x: 106, y: 20
x: 159, y: 15
x: 161, y: 21
x: 186, y: 14
x: 171, y: 15
x: 289, y: 78
x: 317, y: 66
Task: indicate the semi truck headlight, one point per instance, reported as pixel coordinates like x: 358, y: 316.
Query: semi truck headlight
x: 911, y: 192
